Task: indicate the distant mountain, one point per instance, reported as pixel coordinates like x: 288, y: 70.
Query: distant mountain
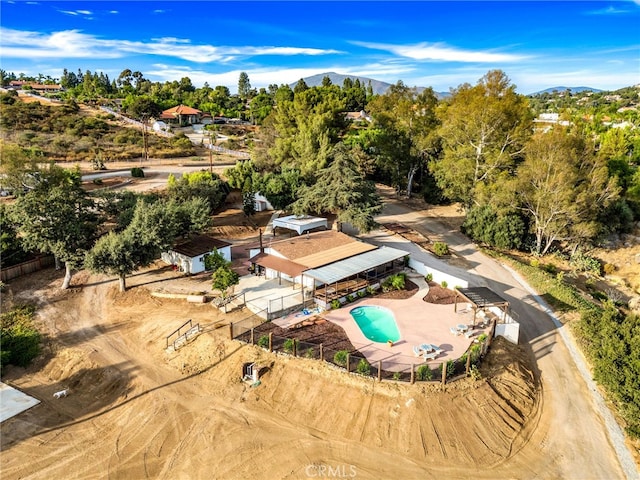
x: 563, y: 89
x: 379, y: 87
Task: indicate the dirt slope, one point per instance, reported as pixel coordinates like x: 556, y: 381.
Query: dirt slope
x: 136, y: 411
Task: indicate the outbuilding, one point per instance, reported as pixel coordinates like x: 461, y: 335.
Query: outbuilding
x: 188, y: 255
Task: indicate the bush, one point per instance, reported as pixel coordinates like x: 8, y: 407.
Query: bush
x: 609, y: 268
x: 363, y: 367
x: 289, y: 345
x: 263, y: 341
x: 482, y: 337
x: 309, y: 353
x: 371, y: 290
x: 340, y: 358
x: 585, y: 263
x: 362, y: 294
x: 450, y: 366
x: 19, y: 339
x: 440, y: 249
x: 444, y: 284
x: 137, y: 172
x: 397, y: 376
x: 428, y: 277
x: 335, y: 304
x: 350, y: 298
x: 424, y: 373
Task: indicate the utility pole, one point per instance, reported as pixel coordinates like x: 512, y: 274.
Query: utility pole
x: 210, y: 152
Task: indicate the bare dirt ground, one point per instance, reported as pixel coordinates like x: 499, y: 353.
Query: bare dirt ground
x: 136, y: 410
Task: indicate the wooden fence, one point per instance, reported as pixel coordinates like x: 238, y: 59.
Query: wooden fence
x: 23, y: 268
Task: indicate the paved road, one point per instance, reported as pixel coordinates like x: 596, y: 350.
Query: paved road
x: 576, y: 434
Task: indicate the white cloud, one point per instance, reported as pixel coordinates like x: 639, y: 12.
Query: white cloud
x: 25, y: 44
x: 441, y: 52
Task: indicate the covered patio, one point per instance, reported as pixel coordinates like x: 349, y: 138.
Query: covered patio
x: 354, y: 274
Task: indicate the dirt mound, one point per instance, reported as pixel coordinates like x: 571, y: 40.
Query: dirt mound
x: 439, y: 295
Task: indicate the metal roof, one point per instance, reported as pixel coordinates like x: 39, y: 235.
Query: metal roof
x: 279, y: 264
x: 351, y: 266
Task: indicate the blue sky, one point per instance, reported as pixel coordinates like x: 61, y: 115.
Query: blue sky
x: 438, y: 44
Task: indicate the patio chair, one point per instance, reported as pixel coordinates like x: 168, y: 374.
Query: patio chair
x: 466, y: 308
x: 425, y: 347
x: 455, y: 331
x: 430, y: 356
x: 417, y: 351
x: 469, y: 333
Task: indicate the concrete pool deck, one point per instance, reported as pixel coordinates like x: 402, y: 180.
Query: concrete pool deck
x: 418, y: 322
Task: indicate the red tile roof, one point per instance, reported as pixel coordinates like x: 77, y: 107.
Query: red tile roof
x: 181, y: 110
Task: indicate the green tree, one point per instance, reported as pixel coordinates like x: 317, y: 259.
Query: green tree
x: 201, y: 184
x: 223, y: 279
x: 484, y: 130
x: 59, y: 219
x: 561, y: 187
x: 11, y: 251
x: 19, y: 338
x: 244, y: 86
x: 342, y: 190
x: 409, y: 125
x: 152, y: 230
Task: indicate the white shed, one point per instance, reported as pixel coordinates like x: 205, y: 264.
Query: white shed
x: 188, y: 255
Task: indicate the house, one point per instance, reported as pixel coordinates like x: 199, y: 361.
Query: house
x: 188, y: 255
x: 181, y: 115
x: 327, y: 265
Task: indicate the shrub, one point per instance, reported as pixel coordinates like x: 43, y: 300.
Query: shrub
x: 475, y: 373
x: 450, y: 367
x: 609, y: 268
x: 585, y: 263
x: 362, y: 294
x: 137, y: 172
x: 444, y: 284
x: 289, y: 345
x: 335, y: 304
x: 440, y: 249
x: 263, y: 341
x: 350, y: 298
x: 340, y: 358
x: 428, y: 277
x: 371, y: 290
x: 482, y: 337
x: 424, y: 373
x: 397, y: 376
x: 363, y: 367
x: 309, y: 353
x: 535, y: 263
x: 19, y: 339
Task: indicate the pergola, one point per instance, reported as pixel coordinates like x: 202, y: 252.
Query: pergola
x: 481, y: 298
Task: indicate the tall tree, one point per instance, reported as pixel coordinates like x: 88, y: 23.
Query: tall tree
x: 409, y: 125
x: 484, y: 129
x: 561, y: 187
x: 244, y: 86
x: 58, y: 219
x: 341, y: 189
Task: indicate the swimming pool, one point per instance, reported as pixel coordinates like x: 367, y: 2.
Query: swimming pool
x: 376, y: 323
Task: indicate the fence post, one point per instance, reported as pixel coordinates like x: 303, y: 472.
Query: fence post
x: 468, y: 363
x: 379, y: 370
x: 231, y: 330
x: 348, y: 362
x: 271, y: 341
x: 295, y: 352
x: 251, y: 336
x: 321, y: 353
x: 444, y: 373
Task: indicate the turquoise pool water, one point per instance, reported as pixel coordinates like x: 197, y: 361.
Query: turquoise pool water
x: 376, y: 323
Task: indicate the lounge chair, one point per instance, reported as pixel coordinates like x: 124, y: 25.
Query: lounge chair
x: 469, y: 333
x: 417, y: 351
x: 455, y: 331
x: 430, y: 355
x: 426, y: 347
